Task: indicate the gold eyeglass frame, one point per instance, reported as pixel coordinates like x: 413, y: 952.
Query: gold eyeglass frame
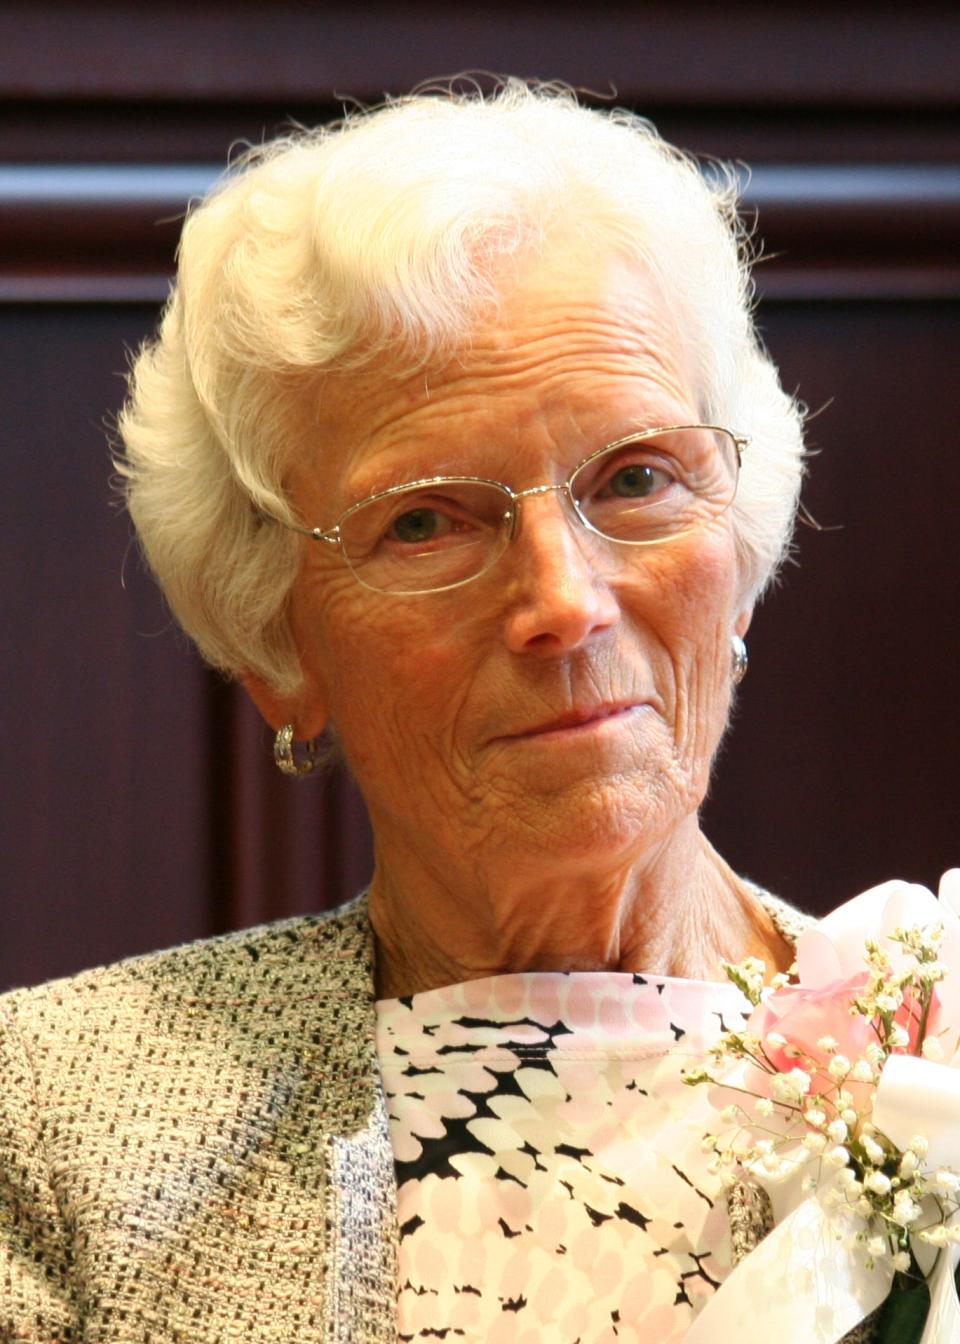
x: 331, y: 535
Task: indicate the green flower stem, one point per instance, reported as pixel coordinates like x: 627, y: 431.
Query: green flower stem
x: 924, y: 1015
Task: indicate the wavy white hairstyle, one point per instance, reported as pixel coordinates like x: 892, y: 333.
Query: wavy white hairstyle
x: 381, y: 239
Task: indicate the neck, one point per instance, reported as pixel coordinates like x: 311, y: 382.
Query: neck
x: 680, y: 911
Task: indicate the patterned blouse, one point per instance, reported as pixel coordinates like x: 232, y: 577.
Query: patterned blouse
x: 552, y: 1187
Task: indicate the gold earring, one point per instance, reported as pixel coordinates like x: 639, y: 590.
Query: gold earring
x: 740, y: 660
x: 285, y: 759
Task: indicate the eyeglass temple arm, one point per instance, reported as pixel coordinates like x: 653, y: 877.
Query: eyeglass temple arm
x: 331, y: 536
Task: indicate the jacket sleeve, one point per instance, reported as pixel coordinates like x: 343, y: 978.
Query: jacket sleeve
x: 36, y: 1294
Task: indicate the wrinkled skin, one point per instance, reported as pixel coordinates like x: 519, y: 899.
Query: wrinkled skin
x: 499, y: 847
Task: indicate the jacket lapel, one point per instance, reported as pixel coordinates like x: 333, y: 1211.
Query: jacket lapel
x: 361, y: 1196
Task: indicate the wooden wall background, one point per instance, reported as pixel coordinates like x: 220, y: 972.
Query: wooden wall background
x: 139, y: 803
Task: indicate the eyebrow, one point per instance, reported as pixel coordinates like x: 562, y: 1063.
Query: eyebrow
x: 401, y: 473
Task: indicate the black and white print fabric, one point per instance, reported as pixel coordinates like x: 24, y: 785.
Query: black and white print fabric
x: 551, y: 1179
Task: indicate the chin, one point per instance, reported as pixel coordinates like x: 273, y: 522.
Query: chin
x: 600, y: 820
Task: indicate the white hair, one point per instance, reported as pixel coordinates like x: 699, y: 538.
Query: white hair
x: 382, y: 238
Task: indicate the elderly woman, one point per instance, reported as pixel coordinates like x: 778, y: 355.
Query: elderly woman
x: 457, y: 442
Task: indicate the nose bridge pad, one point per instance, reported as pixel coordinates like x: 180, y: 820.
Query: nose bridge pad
x: 594, y: 548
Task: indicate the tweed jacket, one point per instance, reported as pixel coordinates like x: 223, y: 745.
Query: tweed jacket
x: 194, y: 1147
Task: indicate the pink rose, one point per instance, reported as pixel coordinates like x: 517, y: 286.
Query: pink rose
x: 804, y: 1016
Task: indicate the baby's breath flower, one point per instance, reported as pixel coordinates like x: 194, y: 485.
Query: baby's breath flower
x: 901, y: 1262
x: 919, y: 1145
x: 763, y: 1107
x: 905, y: 1208
x: 877, y: 1183
x: 948, y: 1181
x: 875, y: 1053
x: 838, y: 1156
x: 889, y: 1002
x: 816, y: 1116
x: 748, y: 977
x: 932, y: 1049
x: 863, y: 1071
x: 828, y: 1044
x: 874, y: 1152
x: 847, y: 1178
x: 931, y: 972
x: 934, y: 1236
x: 849, y: 1117
x: 837, y: 1131
x: 863, y: 1207
x: 839, y: 1066
x: 729, y: 1114
x: 775, y: 1040
x: 877, y: 1246
x: 908, y: 1164
x: 814, y: 1143
x: 899, y: 1037
x: 792, y: 1086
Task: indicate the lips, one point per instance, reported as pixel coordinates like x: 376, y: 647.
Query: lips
x: 579, y: 717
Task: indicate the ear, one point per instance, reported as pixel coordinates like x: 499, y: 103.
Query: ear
x: 306, y: 709
x: 742, y: 624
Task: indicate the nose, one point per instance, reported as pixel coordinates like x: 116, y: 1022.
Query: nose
x: 560, y: 597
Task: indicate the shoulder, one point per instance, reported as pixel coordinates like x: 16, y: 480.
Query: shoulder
x: 788, y: 920
x: 288, y: 969
x: 193, y: 1092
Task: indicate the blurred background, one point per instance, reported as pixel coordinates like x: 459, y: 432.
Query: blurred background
x: 140, y: 805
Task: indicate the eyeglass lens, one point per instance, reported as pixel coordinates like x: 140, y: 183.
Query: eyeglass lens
x: 439, y: 534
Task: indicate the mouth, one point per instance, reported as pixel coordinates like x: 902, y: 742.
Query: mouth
x: 580, y: 719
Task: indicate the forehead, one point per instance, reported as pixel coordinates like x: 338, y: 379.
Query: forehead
x: 578, y: 351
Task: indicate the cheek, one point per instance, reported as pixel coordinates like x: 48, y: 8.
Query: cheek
x: 694, y: 621
x: 699, y: 584
x: 389, y: 671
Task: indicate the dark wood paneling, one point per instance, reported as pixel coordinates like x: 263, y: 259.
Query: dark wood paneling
x: 105, y: 789
x: 101, y: 131
x: 841, y: 769
x: 672, y: 54
x: 109, y: 233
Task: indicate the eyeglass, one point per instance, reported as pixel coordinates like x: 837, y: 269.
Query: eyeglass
x: 444, y: 531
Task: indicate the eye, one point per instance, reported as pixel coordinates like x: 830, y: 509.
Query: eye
x: 426, y: 519
x: 636, y: 480
x: 418, y: 526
